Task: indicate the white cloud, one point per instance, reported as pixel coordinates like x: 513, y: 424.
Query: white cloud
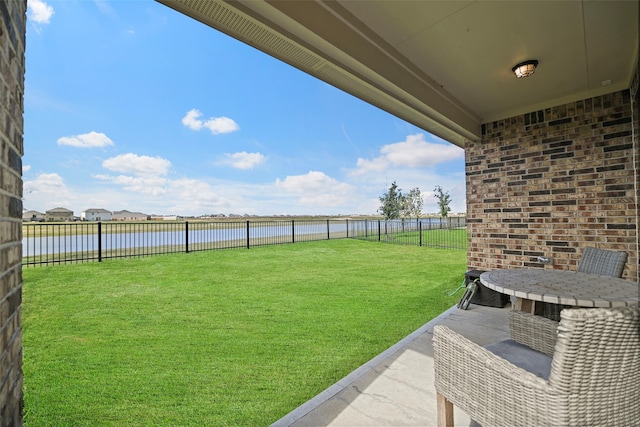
x: 379, y: 164
x: 49, y: 190
x: 328, y: 200
x: 413, y: 152
x: 416, y: 152
x: 216, y: 125
x: 152, y: 185
x: 145, y: 174
x: 138, y: 165
x: 184, y: 196
x: 193, y: 196
x: 317, y: 189
x: 39, y: 11
x: 46, y: 191
x: 243, y: 160
x: 149, y: 185
x: 49, y: 183
x: 193, y: 190
x: 221, y: 125
x: 191, y: 121
x: 104, y: 7
x: 26, y: 168
x: 86, y: 140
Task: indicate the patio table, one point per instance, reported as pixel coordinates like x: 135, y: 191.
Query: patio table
x: 560, y: 287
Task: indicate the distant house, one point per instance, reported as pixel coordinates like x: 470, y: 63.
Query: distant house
x: 129, y: 216
x: 33, y: 216
x: 96, y: 215
x: 59, y: 214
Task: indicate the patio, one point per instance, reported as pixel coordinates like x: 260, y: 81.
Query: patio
x: 551, y: 160
x: 396, y: 388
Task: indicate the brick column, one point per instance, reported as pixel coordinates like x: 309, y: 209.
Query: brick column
x: 12, y: 47
x: 635, y: 104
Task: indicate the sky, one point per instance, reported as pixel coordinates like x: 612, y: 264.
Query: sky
x: 130, y: 105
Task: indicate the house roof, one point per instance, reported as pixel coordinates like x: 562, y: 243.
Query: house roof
x: 97, y: 211
x: 444, y: 66
x: 59, y: 210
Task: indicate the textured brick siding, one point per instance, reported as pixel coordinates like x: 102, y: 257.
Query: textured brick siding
x: 552, y: 182
x: 12, y: 46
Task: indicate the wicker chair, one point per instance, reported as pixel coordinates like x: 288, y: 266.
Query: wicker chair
x: 536, y: 332
x: 602, y: 262
x: 593, y: 261
x: 593, y: 377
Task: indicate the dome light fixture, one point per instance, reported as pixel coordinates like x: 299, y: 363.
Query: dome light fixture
x: 525, y: 68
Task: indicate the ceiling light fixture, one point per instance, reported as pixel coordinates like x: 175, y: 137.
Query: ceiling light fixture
x: 525, y: 68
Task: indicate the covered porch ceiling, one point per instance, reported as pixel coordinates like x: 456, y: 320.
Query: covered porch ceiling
x: 444, y: 66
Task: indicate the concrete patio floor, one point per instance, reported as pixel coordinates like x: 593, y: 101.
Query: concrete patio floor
x: 396, y: 387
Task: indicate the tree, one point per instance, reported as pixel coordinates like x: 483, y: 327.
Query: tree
x: 412, y: 206
x: 392, y: 202
x: 443, y: 201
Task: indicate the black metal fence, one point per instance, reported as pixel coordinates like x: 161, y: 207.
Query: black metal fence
x: 448, y: 233
x: 45, y: 243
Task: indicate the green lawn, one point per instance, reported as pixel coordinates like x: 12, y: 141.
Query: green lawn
x: 230, y: 337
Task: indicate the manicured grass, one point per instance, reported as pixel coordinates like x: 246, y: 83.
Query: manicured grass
x: 232, y: 337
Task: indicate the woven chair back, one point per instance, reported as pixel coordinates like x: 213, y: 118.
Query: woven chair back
x: 596, y: 364
x: 602, y: 262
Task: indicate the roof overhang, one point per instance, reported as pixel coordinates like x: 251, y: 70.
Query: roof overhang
x: 443, y: 66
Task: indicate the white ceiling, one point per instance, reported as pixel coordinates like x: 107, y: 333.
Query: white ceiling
x: 443, y: 65
x: 470, y: 47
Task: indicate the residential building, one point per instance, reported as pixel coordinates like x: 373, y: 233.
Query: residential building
x: 59, y: 214
x: 33, y: 216
x: 125, y: 215
x: 96, y: 215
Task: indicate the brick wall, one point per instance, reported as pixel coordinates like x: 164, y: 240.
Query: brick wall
x: 12, y: 46
x: 552, y: 182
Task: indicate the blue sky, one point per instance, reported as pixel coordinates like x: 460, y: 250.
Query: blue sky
x: 132, y: 105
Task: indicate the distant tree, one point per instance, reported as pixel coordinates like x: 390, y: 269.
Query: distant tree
x: 413, y: 203
x: 443, y: 201
x: 392, y: 202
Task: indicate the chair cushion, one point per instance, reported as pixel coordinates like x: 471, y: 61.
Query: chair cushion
x: 523, y: 357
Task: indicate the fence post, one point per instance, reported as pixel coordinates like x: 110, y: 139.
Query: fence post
x: 248, y: 235
x: 293, y: 231
x: 186, y: 236
x: 347, y: 225
x: 380, y: 231
x: 99, y: 241
x: 328, y: 235
x: 420, y: 231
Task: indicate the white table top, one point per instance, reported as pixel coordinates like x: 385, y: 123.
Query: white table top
x: 562, y: 287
